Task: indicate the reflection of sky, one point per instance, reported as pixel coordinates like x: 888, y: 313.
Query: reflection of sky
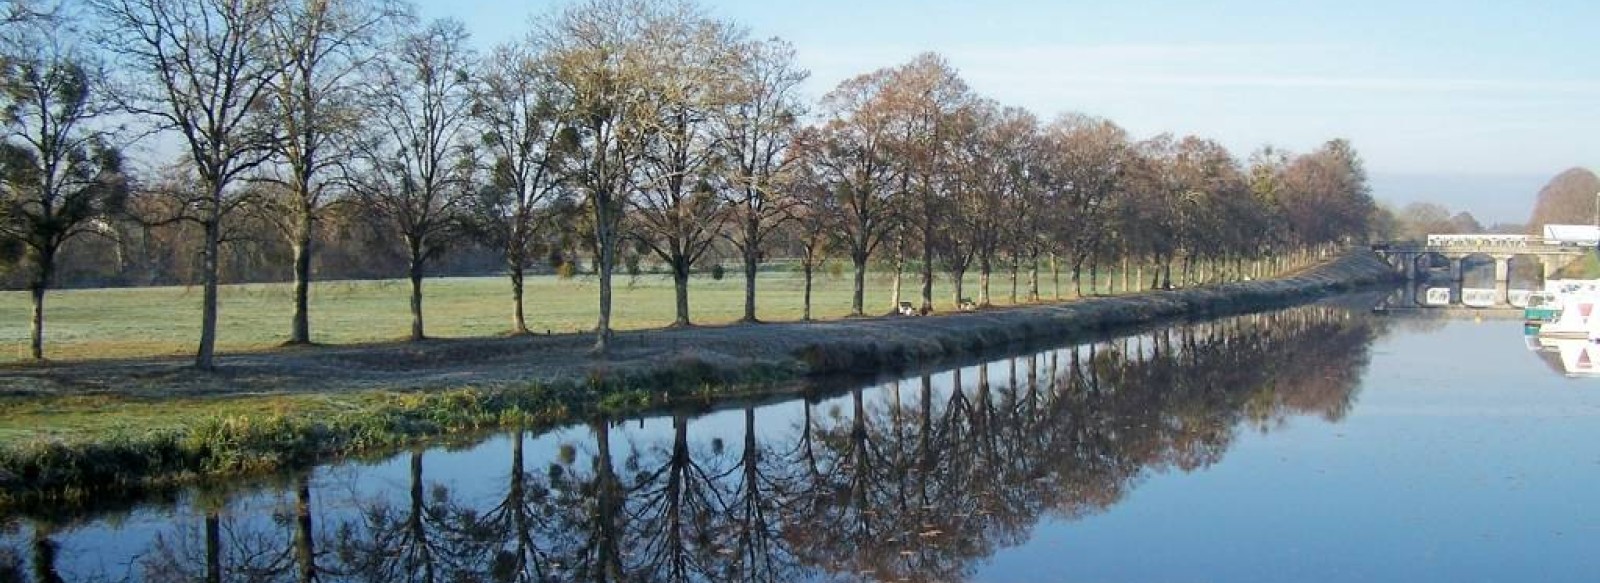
x: 1465, y: 459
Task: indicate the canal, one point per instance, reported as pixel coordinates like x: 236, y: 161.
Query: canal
x: 1317, y: 443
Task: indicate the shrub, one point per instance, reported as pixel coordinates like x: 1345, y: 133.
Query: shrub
x: 717, y: 272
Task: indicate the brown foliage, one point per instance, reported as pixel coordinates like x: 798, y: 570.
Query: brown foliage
x: 1568, y: 199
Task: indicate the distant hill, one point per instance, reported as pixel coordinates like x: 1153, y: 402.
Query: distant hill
x: 1569, y: 198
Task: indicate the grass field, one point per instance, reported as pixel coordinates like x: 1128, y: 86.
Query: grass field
x: 157, y: 321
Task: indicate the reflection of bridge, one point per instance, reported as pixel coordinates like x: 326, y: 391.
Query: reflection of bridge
x: 1550, y: 254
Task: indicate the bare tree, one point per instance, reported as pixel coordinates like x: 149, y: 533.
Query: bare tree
x: 60, y: 177
x: 1003, y: 159
x: 1326, y: 197
x: 758, y: 131
x: 814, y: 229
x: 925, y: 99
x: 676, y: 210
x: 417, y: 169
x: 851, y: 154
x: 325, y: 46
x: 26, y: 11
x: 519, y: 113
x: 1087, y: 158
x: 201, y: 68
x: 1209, y: 180
x: 598, y: 58
x: 973, y: 183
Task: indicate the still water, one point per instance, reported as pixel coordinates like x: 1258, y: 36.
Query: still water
x: 1318, y: 443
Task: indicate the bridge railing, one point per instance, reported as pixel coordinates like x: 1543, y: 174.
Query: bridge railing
x: 1480, y: 241
x: 1473, y: 243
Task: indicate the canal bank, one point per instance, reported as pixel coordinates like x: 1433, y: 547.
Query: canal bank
x: 125, y: 426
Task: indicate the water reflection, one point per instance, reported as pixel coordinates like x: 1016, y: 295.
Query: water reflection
x: 915, y: 480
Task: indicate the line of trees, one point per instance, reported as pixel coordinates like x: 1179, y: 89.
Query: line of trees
x: 614, y: 129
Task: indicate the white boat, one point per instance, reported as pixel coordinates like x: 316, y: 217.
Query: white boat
x: 1572, y: 357
x: 1579, y: 318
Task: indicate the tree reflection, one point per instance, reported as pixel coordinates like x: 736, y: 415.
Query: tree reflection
x: 918, y: 482
x: 222, y: 547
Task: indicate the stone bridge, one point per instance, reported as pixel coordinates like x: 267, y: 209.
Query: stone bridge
x: 1503, y: 249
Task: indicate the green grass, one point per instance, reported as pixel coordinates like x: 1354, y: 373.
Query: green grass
x: 1586, y: 267
x: 161, y: 321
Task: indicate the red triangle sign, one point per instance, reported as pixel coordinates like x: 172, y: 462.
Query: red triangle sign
x: 1583, y: 359
x: 1584, y: 309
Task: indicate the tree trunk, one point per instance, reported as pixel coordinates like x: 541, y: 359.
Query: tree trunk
x: 1055, y: 276
x: 958, y: 275
x: 1124, y: 274
x: 415, y: 273
x: 750, y: 265
x: 927, y: 272
x: 1033, y: 278
x: 680, y: 290
x: 36, y: 333
x: 608, y: 507
x: 519, y: 319
x: 984, y: 268
x: 1077, y: 280
x: 304, y: 545
x: 213, y: 547
x: 899, y: 271
x: 1094, y: 278
x: 210, y: 264
x: 805, y: 311
x: 41, y: 282
x: 1016, y: 265
x: 44, y: 556
x: 858, y: 295
x: 300, y: 324
x: 607, y: 259
x: 414, y: 521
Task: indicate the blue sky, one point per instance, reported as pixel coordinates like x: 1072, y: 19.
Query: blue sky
x: 1467, y: 103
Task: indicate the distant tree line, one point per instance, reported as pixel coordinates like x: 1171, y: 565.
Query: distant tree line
x: 1415, y: 221
x: 292, y: 139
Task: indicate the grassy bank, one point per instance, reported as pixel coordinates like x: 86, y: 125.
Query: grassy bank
x: 127, y: 424
x: 164, y: 321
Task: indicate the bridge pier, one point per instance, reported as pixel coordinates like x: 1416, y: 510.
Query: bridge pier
x: 1408, y: 294
x: 1502, y: 280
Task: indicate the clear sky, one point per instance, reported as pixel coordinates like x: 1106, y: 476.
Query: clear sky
x: 1472, y: 104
